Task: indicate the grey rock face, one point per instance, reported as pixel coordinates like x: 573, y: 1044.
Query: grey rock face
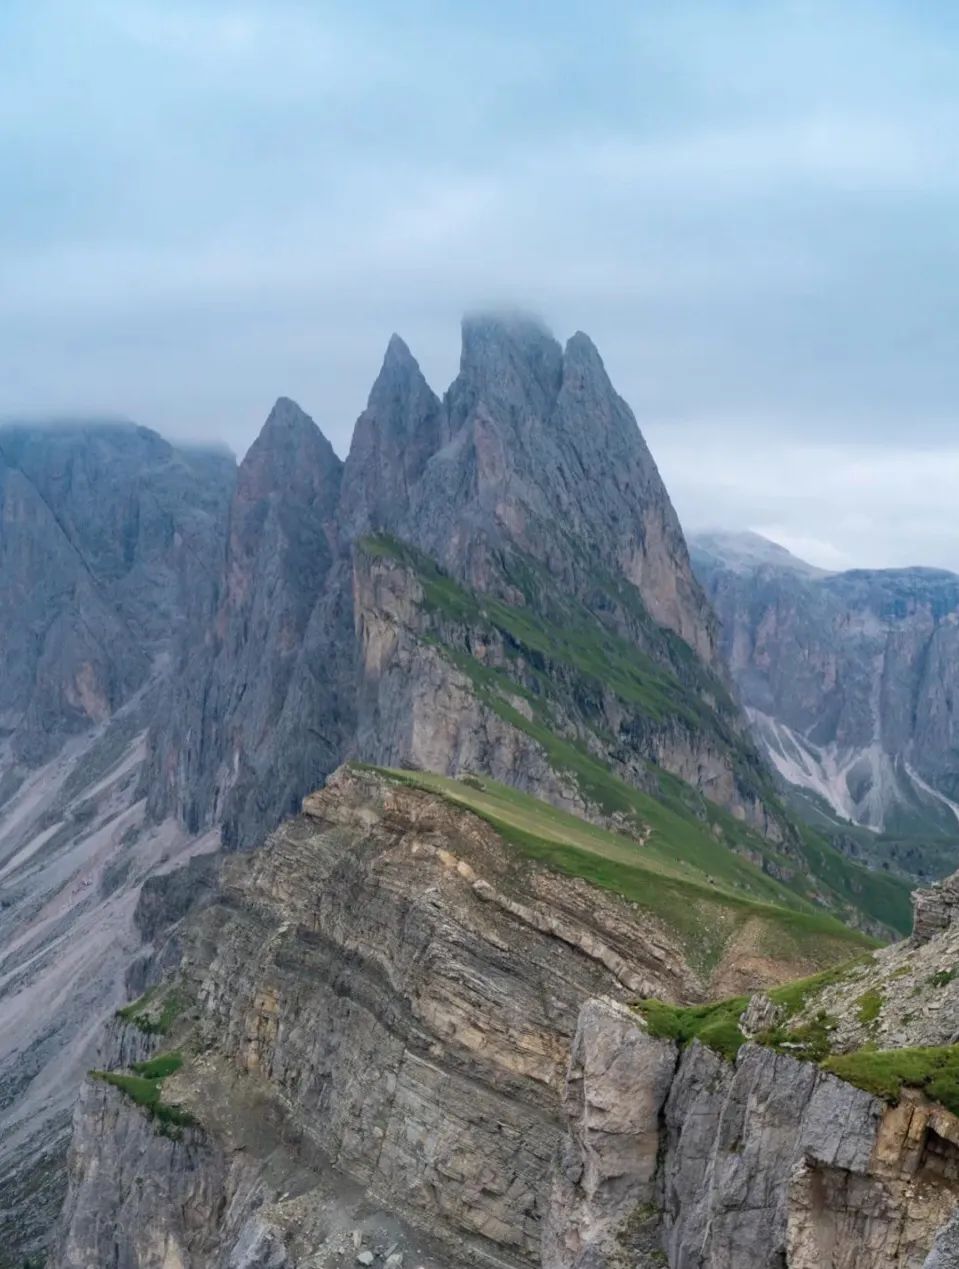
x: 945, y: 1253
x: 605, y: 1204
x: 402, y: 427
x: 935, y: 909
x: 765, y: 1162
x: 734, y: 1136
x: 108, y: 537
x: 547, y: 459
x: 850, y: 678
x: 217, y: 747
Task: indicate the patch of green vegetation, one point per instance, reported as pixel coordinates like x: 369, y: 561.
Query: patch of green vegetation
x: 715, y: 1025
x: 159, y: 1067
x: 810, y: 1041
x: 880, y: 895
x: 885, y: 1072
x: 151, y: 1014
x: 869, y: 1006
x: 941, y: 978
x: 144, y: 1089
x: 678, y: 874
x: 793, y: 996
x: 580, y: 640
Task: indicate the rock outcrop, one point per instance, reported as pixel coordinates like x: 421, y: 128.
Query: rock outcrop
x: 223, y: 739
x: 765, y: 1162
x: 936, y: 909
x: 381, y: 985
x: 108, y: 537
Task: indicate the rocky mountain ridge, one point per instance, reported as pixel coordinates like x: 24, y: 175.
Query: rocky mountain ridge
x: 463, y: 1077
x: 529, y: 483
x: 849, y: 679
x: 501, y: 585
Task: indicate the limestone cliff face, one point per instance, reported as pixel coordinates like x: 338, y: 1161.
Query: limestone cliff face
x: 546, y: 459
x: 453, y: 690
x: 850, y: 678
x: 216, y: 746
x: 399, y: 1039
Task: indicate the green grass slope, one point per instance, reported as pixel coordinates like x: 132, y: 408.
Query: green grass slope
x: 680, y: 874
x: 561, y: 661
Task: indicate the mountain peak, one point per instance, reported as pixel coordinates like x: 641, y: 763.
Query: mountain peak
x: 745, y: 551
x: 399, y: 375
x: 580, y: 347
x: 398, y: 352
x: 402, y: 426
x: 290, y: 454
x: 285, y: 418
x: 583, y: 367
x: 510, y: 363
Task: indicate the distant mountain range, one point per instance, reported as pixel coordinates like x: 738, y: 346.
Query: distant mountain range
x: 851, y: 680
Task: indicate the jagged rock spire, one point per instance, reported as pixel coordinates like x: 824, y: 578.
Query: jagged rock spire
x: 292, y: 457
x: 510, y: 364
x: 402, y: 426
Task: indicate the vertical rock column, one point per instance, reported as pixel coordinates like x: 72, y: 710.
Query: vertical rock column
x: 604, y: 1200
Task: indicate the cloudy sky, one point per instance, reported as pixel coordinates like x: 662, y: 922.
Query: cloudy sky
x: 751, y: 207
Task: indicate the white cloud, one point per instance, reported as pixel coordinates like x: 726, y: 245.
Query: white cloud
x: 838, y: 506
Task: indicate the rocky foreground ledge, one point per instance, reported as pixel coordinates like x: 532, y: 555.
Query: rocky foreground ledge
x: 384, y: 1039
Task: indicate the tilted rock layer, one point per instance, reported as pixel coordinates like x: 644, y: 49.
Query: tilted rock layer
x: 386, y: 1017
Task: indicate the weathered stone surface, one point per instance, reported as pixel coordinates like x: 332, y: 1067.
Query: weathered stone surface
x: 766, y: 1162
x: 945, y: 1252
x: 221, y: 737
x: 108, y: 534
x: 935, y: 909
x: 109, y: 539
x: 759, y: 1015
x: 382, y: 1001
x: 607, y: 1172
x: 734, y: 1135
x: 402, y: 427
